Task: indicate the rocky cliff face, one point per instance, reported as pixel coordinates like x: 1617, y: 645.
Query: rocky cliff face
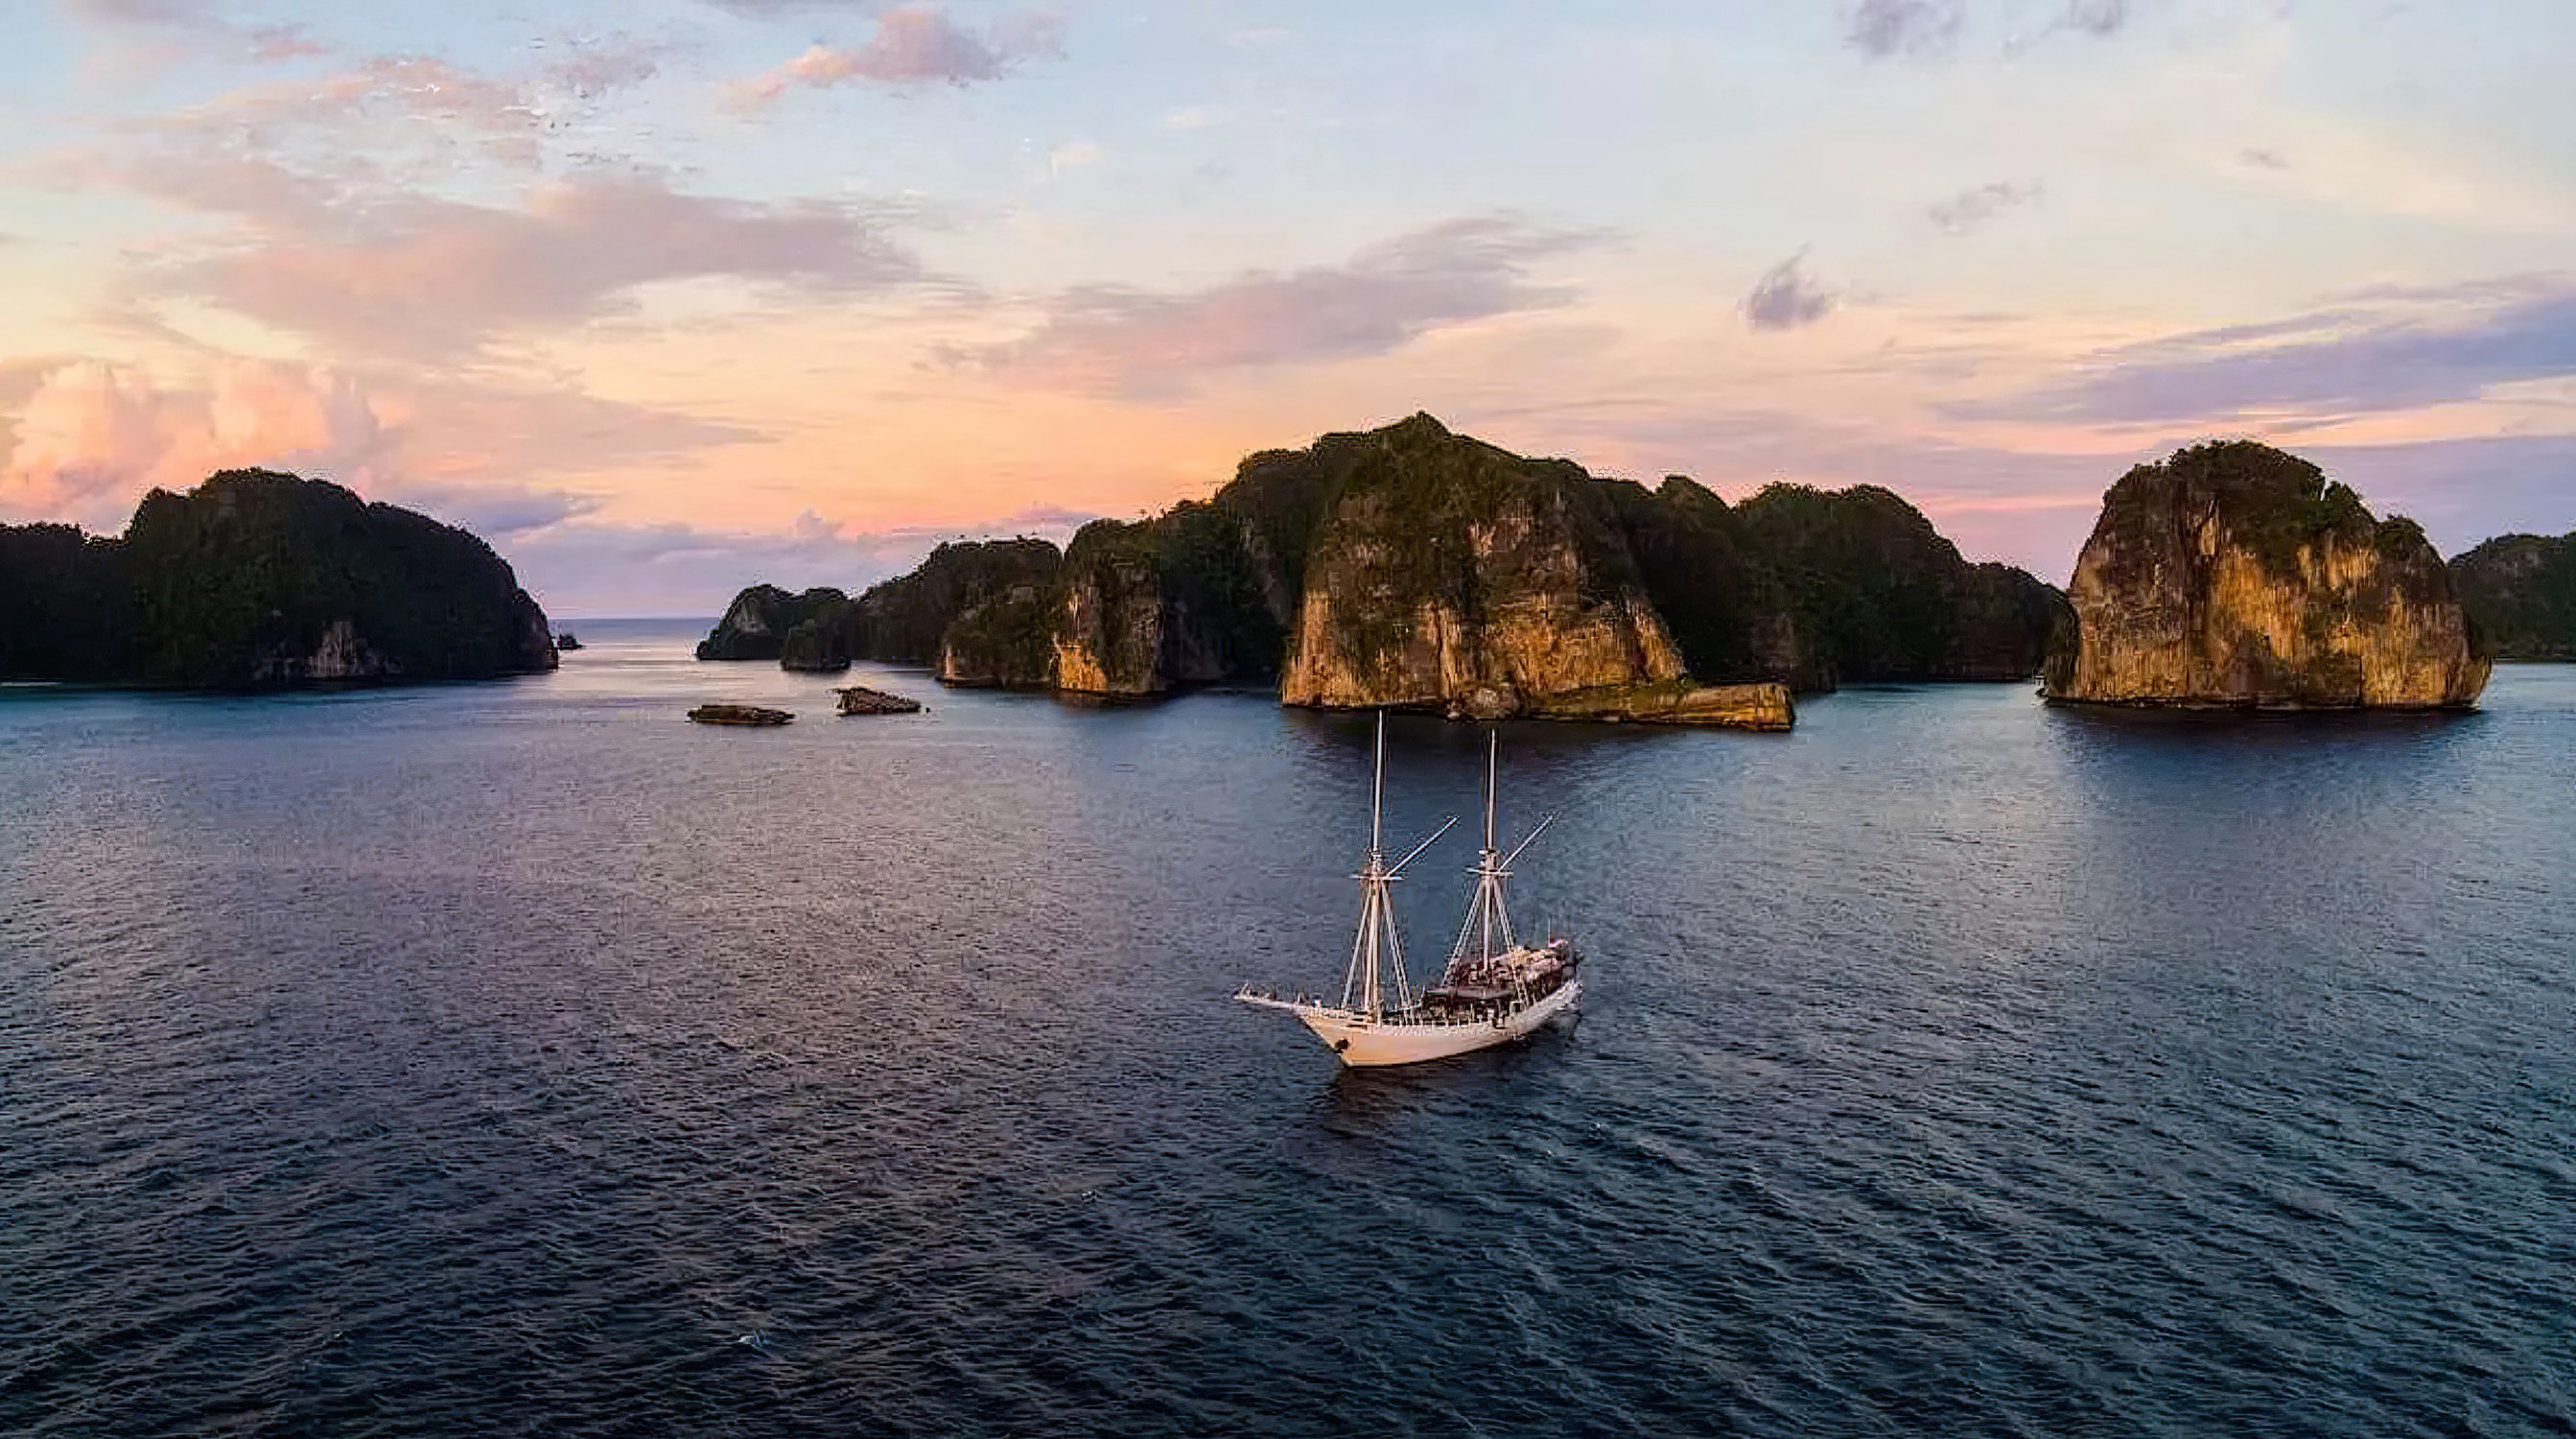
x: 2521, y: 591
x: 2235, y: 575
x: 759, y: 622
x: 1448, y: 572
x: 1192, y: 597
x: 907, y: 620
x: 256, y: 579
x: 341, y: 654
x: 1002, y: 641
x: 1108, y: 632
x: 1412, y: 566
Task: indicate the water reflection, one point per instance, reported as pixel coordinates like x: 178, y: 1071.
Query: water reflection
x: 1931, y: 1056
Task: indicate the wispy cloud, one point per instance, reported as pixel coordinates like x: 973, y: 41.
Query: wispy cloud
x: 1787, y: 298
x: 428, y: 278
x: 337, y: 189
x: 917, y: 45
x: 1927, y: 29
x: 371, y: 129
x: 2353, y: 358
x: 1886, y: 29
x: 1075, y: 155
x: 1113, y: 339
x: 1973, y: 207
x: 766, y: 9
x: 2099, y: 18
x: 495, y: 511
x: 196, y: 20
x: 2464, y: 490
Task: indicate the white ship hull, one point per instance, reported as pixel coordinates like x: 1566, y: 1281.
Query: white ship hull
x: 1363, y: 1042
x: 1382, y: 1019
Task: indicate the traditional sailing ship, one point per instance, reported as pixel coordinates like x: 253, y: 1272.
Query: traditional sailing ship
x: 1494, y: 988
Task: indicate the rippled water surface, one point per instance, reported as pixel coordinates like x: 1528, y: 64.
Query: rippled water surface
x: 520, y: 1059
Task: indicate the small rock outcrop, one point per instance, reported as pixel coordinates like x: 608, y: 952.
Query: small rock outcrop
x: 2521, y: 591
x: 861, y: 700
x: 257, y: 579
x: 2233, y: 575
x: 1762, y: 706
x: 755, y: 715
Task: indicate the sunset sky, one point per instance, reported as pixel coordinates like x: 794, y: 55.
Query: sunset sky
x: 667, y: 296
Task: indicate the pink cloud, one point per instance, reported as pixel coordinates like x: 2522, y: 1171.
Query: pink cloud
x: 246, y: 186
x: 410, y: 113
x: 368, y: 131
x: 1111, y: 339
x: 436, y: 278
x: 918, y: 45
x: 340, y: 236
x: 92, y: 437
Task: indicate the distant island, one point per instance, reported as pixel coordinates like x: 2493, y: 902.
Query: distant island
x: 1410, y: 566
x: 2521, y: 590
x: 256, y: 579
x: 2232, y: 575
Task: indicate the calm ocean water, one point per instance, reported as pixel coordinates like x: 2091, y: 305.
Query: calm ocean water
x: 519, y: 1059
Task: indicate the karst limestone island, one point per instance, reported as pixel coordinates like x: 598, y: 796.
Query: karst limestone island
x: 2521, y: 590
x: 259, y: 580
x: 1412, y: 567
x: 2235, y: 576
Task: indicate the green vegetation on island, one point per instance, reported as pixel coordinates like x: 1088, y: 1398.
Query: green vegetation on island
x: 762, y: 619
x: 2521, y: 589
x: 908, y: 620
x: 2232, y: 575
x: 257, y: 579
x: 1410, y: 565
x: 1877, y: 594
